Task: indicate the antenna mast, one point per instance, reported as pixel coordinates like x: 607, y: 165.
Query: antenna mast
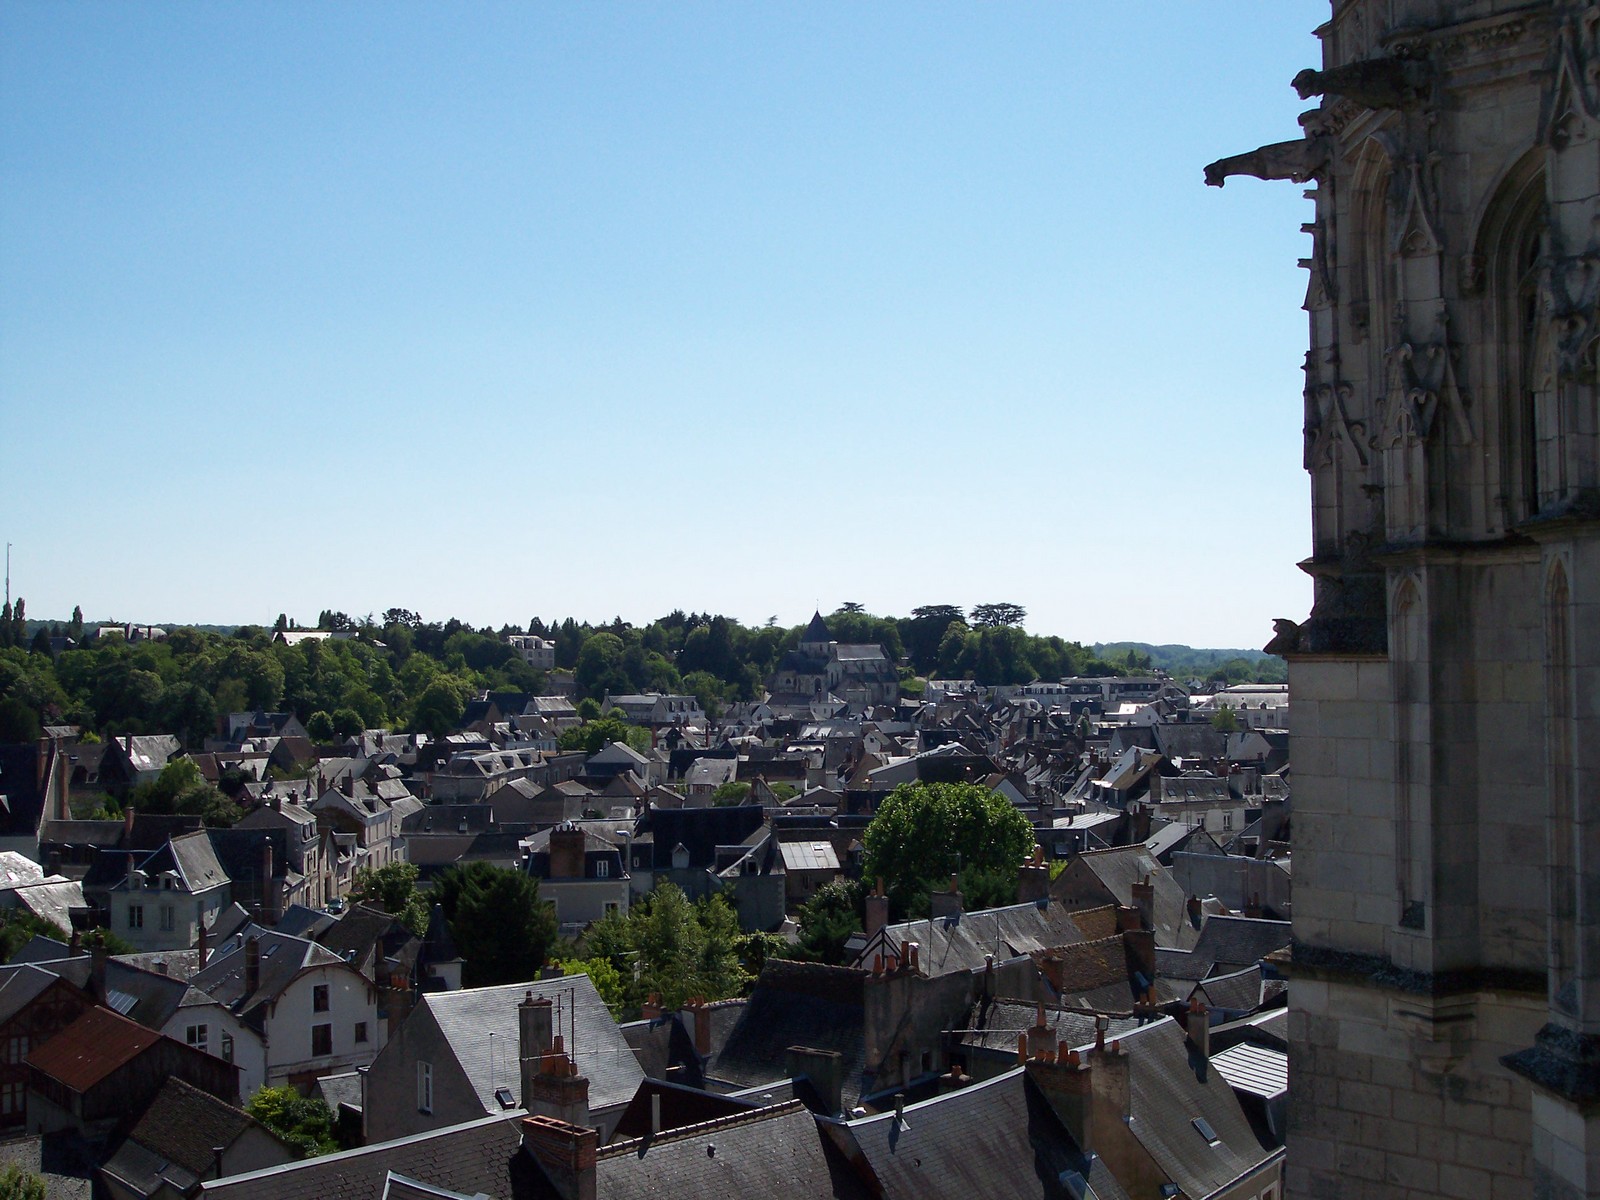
x: 8, y: 574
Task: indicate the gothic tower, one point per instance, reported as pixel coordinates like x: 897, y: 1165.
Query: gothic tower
x: 1446, y: 745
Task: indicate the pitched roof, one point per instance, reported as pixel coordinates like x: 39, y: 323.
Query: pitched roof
x: 776, y: 1151
x: 997, y: 1138
x: 91, y: 1048
x: 467, y: 1017
x: 963, y: 942
x: 183, y: 1125
x: 1241, y: 941
x: 471, y: 1158
x: 282, y: 958
x: 798, y: 1004
x: 1167, y: 1096
x: 816, y: 631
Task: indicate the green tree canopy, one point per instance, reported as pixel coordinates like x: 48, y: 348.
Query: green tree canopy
x: 501, y: 927
x: 393, y: 888
x: 923, y: 832
x: 828, y: 919
x: 305, y: 1123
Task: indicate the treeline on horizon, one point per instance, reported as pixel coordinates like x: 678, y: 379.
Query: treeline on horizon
x: 401, y: 672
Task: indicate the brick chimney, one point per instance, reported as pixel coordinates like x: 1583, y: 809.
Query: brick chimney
x: 268, y: 898
x: 1033, y: 879
x: 948, y: 902
x: 252, y: 966
x: 200, y: 949
x: 877, y: 911
x: 1144, y: 899
x: 1197, y: 1024
x: 566, y: 852
x: 701, y: 1014
x: 535, y: 1030
x: 556, y: 1089
x: 1067, y: 1086
x: 825, y: 1071
x: 127, y: 822
x: 564, y: 1152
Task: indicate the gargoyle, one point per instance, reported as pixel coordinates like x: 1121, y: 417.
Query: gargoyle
x: 1374, y: 82
x: 1297, y: 161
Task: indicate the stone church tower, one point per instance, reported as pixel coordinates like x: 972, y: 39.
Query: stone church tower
x: 1446, y: 1021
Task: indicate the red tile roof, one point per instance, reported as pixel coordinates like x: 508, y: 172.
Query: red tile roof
x: 91, y: 1048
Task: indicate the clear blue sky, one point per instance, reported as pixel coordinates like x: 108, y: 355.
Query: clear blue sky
x: 495, y: 310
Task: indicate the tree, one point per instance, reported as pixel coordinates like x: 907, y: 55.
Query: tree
x: 1225, y: 720
x: 852, y: 606
x: 502, y: 928
x: 686, y: 950
x: 599, y: 670
x: 991, y: 615
x: 319, y: 727
x: 731, y: 794
x: 606, y: 978
x: 180, y: 788
x: 594, y: 736
x: 923, y: 832
x: 346, y: 722
x: 18, y: 722
x: 828, y: 919
x: 393, y: 888
x: 18, y: 927
x: 17, y: 1184
x: 305, y: 1123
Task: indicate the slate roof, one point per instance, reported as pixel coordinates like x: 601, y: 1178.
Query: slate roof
x: 816, y: 630
x: 480, y: 1156
x: 777, y: 1151
x: 699, y: 830
x: 797, y: 1004
x: 1119, y: 869
x: 282, y: 958
x: 91, y: 1048
x: 52, y: 901
x: 994, y: 1025
x: 997, y: 1138
x: 961, y: 942
x: 467, y: 1017
x: 173, y: 1140
x: 1166, y: 1096
x: 1240, y: 941
x: 21, y: 801
x: 20, y: 986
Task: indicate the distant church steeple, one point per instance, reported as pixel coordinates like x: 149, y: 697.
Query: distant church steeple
x: 817, y: 634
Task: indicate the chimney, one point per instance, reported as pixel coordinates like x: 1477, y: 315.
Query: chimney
x: 1068, y: 1085
x: 650, y: 1010
x: 268, y: 897
x: 566, y: 852
x: 200, y: 949
x: 877, y: 914
x: 948, y: 902
x: 535, y: 1027
x: 127, y: 822
x: 1144, y: 899
x: 1197, y: 912
x: 98, y: 955
x: 702, y: 1026
x: 1127, y: 918
x: 1033, y: 879
x: 564, y: 1152
x: 1197, y: 1025
x: 825, y: 1071
x: 556, y: 1089
x: 252, y: 966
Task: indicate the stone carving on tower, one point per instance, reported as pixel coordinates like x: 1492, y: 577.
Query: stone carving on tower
x: 1445, y: 1023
